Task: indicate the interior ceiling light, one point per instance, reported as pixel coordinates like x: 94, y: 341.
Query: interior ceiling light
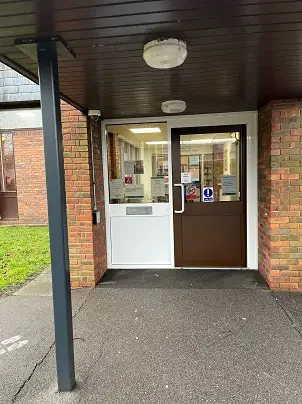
x: 145, y: 130
x: 208, y: 141
x: 173, y: 106
x: 197, y: 141
x: 165, y: 53
x: 157, y: 142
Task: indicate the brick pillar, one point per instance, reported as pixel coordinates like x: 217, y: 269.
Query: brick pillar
x: 280, y: 193
x: 87, y: 242
x: 99, y: 230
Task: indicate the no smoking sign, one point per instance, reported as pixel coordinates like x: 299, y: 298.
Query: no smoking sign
x: 191, y: 192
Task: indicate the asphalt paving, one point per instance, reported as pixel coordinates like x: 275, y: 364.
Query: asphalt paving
x: 161, y: 336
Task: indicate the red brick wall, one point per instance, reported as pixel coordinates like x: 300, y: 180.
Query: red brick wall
x: 30, y: 176
x: 280, y: 193
x: 86, y: 241
x: 99, y: 230
x: 264, y: 186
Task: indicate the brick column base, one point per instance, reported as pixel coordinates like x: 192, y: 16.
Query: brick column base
x: 280, y: 193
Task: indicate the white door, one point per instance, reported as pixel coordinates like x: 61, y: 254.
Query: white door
x: 139, y: 208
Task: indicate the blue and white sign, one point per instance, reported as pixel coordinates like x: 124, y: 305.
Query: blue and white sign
x: 208, y: 194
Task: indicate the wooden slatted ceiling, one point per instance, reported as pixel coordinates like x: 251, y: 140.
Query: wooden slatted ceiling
x: 242, y: 53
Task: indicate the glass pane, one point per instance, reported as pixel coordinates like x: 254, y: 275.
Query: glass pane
x: 210, y: 163
x: 138, y: 163
x: 8, y: 177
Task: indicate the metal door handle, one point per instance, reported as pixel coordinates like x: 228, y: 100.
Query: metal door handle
x: 182, y: 188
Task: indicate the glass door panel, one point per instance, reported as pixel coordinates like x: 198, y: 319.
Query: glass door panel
x: 211, y: 160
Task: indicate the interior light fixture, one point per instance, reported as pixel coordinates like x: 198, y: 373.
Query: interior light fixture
x: 157, y: 142
x: 25, y: 113
x: 165, y: 53
x: 208, y: 141
x: 145, y: 130
x: 197, y: 141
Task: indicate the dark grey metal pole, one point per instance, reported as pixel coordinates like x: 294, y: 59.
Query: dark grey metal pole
x: 57, y: 216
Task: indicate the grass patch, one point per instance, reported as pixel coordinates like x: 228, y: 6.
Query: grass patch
x: 24, y: 252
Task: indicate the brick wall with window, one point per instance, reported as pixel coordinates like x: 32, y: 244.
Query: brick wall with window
x: 280, y: 194
x: 87, y: 241
x: 30, y: 176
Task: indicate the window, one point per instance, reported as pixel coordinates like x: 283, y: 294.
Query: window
x: 211, y: 160
x: 138, y: 163
x: 7, y: 172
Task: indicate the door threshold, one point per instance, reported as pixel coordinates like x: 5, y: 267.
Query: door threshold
x: 218, y: 268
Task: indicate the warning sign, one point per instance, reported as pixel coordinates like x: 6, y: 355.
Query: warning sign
x: 128, y: 179
x: 191, y: 192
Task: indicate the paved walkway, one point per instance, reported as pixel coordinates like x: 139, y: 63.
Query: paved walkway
x: 160, y: 337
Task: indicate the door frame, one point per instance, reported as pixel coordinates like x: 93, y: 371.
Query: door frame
x: 247, y: 118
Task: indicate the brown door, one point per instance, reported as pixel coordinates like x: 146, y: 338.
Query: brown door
x: 209, y: 196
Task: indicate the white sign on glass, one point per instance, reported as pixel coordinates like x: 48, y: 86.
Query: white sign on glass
x: 229, y: 185
x: 194, y: 160
x: 117, y: 190
x: 129, y: 167
x: 157, y: 186
x: 134, y: 191
x: 186, y: 178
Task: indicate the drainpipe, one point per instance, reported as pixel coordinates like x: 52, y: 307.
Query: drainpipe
x: 94, y: 115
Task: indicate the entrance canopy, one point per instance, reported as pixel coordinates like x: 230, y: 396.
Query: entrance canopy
x: 241, y: 53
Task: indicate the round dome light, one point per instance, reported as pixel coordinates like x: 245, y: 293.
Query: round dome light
x: 165, y: 53
x: 173, y: 106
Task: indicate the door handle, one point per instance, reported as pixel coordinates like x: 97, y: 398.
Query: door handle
x: 182, y: 189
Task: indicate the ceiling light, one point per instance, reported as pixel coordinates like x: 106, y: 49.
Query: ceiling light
x: 197, y: 141
x: 145, y: 130
x: 173, y: 106
x: 157, y: 142
x: 208, y: 141
x: 165, y: 53
x: 25, y: 113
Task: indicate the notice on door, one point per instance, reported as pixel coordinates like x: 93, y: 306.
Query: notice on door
x: 129, y: 168
x: 192, y: 193
x: 138, y: 167
x: 157, y: 186
x: 128, y: 179
x: 229, y: 185
x: 208, y: 194
x: 194, y: 160
x: 117, y: 189
x: 186, y: 178
x: 134, y: 191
